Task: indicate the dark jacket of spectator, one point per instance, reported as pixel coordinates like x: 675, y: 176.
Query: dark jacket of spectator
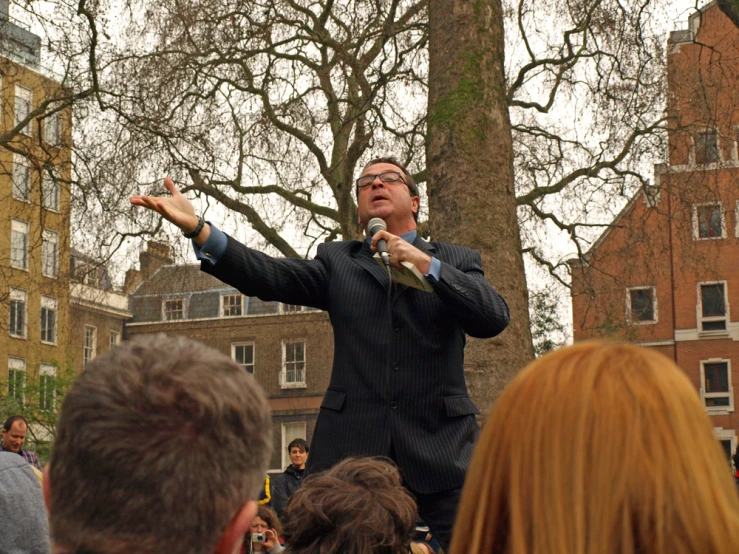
x: 283, y: 486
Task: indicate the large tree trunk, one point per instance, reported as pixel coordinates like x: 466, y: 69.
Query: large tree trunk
x: 470, y: 175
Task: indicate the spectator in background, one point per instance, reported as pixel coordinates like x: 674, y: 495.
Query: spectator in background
x: 161, y: 447
x: 25, y: 529
x: 284, y: 485
x: 266, y: 526
x: 598, y: 448
x: 736, y: 467
x: 14, y: 435
x: 359, y: 506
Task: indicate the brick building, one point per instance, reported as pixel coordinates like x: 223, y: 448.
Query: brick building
x: 35, y: 166
x: 666, y: 272
x: 289, y: 349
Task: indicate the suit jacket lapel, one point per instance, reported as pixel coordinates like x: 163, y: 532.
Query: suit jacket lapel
x: 363, y: 257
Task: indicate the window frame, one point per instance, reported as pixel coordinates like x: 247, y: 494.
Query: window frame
x: 18, y: 293
x: 629, y: 310
x: 230, y: 295
x: 49, y: 237
x: 26, y: 95
x: 287, y: 440
x: 696, y: 221
x: 288, y: 308
x: 701, y: 319
x: 46, y: 402
x: 21, y: 363
x: 47, y: 180
x: 14, y: 225
x: 182, y: 299
x: 729, y: 393
x: 49, y: 304
x: 20, y: 161
x: 235, y: 345
x: 53, y: 121
x: 92, y: 347
x: 114, y: 341
x: 719, y: 154
x: 284, y: 383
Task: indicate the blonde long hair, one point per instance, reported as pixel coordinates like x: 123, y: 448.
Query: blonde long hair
x: 598, y: 448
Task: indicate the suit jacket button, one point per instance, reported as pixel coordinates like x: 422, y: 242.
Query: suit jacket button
x: 393, y: 405
x: 396, y: 366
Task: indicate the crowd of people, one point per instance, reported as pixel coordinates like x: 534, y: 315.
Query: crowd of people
x: 163, y: 443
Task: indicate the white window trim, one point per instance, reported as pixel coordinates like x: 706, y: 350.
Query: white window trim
x: 94, y: 345
x: 27, y: 95
x: 696, y: 226
x: 15, y: 226
x: 654, y: 306
x: 699, y: 313
x: 47, y: 178
x: 22, y: 161
x: 735, y: 146
x: 47, y: 369
x: 117, y: 335
x: 49, y: 236
x: 171, y: 299
x: 283, y: 373
x: 693, y: 158
x: 285, y: 454
x: 722, y: 434
x: 19, y: 294
x: 253, y: 364
x: 704, y: 394
x: 17, y: 364
x: 49, y: 123
x: 51, y: 303
x: 230, y: 295
x: 283, y: 308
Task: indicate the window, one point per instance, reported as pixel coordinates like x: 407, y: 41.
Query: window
x: 53, y: 129
x: 51, y: 192
x: 713, y: 307
x: 708, y: 221
x: 49, y: 253
x: 243, y: 354
x: 21, y: 178
x: 48, y: 319
x: 290, y: 308
x: 90, y: 347
x: 716, y: 390
x: 47, y: 387
x: 641, y: 305
x: 293, y: 364
x: 18, y: 313
x: 706, y: 148
x: 19, y: 244
x: 115, y: 338
x: 174, y: 309
x: 232, y: 305
x: 23, y: 102
x: 16, y: 378
x: 291, y: 431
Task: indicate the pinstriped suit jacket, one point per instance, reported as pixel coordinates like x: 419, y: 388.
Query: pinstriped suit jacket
x: 397, y: 383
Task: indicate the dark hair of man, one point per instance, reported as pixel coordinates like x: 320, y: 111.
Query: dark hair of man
x: 269, y: 516
x: 159, y: 443
x: 300, y: 443
x: 357, y: 507
x: 12, y: 419
x: 409, y: 181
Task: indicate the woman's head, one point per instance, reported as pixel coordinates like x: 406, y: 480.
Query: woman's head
x: 598, y: 448
x: 266, y: 518
x: 358, y: 506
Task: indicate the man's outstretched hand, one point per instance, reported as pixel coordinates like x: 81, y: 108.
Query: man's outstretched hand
x: 176, y: 208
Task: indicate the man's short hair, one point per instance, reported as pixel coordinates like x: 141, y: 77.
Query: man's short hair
x: 300, y: 443
x: 12, y: 419
x: 160, y: 442
x: 359, y: 505
x: 409, y: 180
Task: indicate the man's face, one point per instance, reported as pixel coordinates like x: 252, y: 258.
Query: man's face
x: 13, y: 439
x: 298, y: 457
x: 385, y: 200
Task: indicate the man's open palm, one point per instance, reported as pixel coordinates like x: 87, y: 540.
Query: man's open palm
x: 176, y: 208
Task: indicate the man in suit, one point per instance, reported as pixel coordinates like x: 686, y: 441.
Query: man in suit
x: 397, y: 386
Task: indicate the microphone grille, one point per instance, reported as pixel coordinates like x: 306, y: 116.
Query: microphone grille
x: 375, y: 225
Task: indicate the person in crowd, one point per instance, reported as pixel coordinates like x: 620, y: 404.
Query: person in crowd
x: 25, y: 528
x: 359, y: 506
x: 598, y: 448
x: 285, y: 484
x: 736, y: 467
x: 264, y: 534
x: 398, y: 365
x: 14, y: 435
x: 162, y: 445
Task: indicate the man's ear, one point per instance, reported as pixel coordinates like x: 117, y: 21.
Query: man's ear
x: 46, y: 488
x: 415, y: 204
x: 233, y: 536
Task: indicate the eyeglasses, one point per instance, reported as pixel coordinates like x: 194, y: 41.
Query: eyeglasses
x: 387, y: 177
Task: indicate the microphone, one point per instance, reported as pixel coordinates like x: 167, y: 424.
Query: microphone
x: 374, y: 226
